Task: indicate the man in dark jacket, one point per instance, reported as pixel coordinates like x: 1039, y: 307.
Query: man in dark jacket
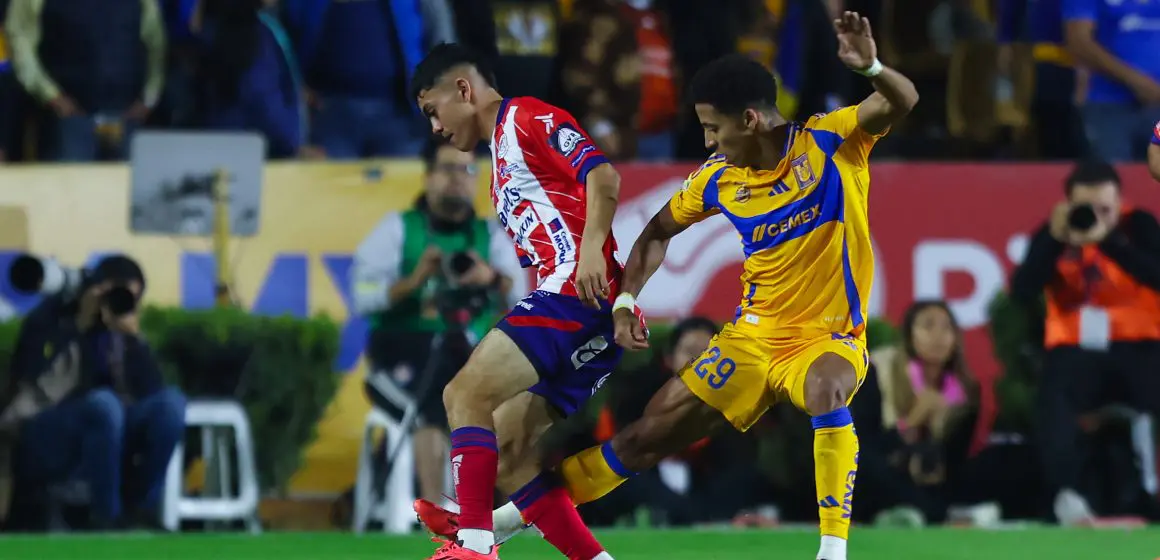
x: 89, y: 399
x: 1096, y: 264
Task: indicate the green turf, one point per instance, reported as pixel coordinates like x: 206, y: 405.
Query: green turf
x: 868, y: 544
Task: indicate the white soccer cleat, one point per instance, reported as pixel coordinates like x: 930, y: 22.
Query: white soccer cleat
x: 1072, y: 509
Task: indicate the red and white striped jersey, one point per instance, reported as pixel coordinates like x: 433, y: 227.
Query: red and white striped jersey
x: 540, y: 161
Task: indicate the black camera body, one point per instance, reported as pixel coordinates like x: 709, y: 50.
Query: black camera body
x: 1081, y: 217
x: 457, y: 303
x: 30, y: 274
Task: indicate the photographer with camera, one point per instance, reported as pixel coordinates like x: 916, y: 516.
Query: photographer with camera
x: 1097, y: 262
x: 87, y: 417
x: 432, y: 280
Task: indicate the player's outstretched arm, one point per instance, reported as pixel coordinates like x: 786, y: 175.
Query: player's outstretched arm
x: 894, y: 94
x: 603, y: 189
x: 649, y: 250
x: 643, y: 261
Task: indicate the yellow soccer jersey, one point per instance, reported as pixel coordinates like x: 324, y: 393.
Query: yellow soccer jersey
x: 804, y: 228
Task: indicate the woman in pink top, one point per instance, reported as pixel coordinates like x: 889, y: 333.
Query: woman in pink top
x: 930, y: 384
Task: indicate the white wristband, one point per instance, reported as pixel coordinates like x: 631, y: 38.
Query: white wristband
x: 624, y: 301
x: 874, y: 69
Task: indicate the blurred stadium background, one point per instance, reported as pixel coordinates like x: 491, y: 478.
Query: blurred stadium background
x: 958, y: 193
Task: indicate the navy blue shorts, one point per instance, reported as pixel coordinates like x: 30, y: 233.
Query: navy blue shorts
x: 570, y: 344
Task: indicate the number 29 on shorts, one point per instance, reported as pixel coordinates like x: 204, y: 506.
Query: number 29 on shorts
x: 714, y: 369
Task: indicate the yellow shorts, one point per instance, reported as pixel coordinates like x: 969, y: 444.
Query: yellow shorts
x: 742, y: 375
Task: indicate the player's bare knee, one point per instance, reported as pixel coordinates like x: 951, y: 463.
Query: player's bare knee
x: 468, y: 399
x: 829, y: 383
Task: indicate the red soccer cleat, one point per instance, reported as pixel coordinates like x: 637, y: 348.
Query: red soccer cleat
x: 451, y: 550
x: 436, y: 519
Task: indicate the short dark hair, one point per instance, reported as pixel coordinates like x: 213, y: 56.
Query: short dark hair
x: 688, y: 325
x: 1090, y: 172
x: 118, y: 268
x: 443, y: 58
x: 734, y: 83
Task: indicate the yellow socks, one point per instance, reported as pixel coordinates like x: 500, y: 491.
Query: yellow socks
x: 592, y: 473
x: 835, y: 467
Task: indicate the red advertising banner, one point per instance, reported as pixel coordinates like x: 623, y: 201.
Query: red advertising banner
x: 945, y: 231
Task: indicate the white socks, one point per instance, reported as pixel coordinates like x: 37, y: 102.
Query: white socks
x: 507, y: 522
x: 476, y: 539
x: 833, y: 548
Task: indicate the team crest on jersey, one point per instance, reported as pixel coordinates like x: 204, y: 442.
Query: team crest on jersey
x: 742, y: 194
x: 803, y: 172
x: 565, y: 139
x: 501, y: 151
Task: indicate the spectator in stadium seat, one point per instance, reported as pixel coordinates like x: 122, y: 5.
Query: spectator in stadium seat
x: 619, y: 77
x: 927, y: 388
x: 247, y: 77
x: 357, y: 56
x: 887, y: 493
x: 98, y: 68
x: 1118, y: 42
x: 1097, y: 261
x: 1058, y: 124
x: 927, y: 396
x: 527, y: 34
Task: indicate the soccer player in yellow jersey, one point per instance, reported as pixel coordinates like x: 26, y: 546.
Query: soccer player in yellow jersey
x: 796, y: 192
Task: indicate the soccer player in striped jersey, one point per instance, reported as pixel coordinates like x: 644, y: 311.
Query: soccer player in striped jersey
x: 555, y: 193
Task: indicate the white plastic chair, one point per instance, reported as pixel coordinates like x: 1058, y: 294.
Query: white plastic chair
x: 217, y: 420
x: 391, y: 504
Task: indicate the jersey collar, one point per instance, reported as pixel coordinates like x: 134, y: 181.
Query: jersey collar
x: 503, y: 106
x: 789, y: 136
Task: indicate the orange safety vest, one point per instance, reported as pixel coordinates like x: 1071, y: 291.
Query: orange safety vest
x: 1086, y: 277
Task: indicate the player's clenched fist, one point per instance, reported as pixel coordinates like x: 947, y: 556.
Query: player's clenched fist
x: 630, y: 330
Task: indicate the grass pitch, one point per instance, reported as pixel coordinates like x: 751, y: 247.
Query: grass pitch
x: 867, y: 544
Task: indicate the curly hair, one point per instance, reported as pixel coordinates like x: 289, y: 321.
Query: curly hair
x: 734, y: 83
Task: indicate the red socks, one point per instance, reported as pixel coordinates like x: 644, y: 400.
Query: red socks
x: 546, y: 505
x: 542, y: 502
x: 474, y: 461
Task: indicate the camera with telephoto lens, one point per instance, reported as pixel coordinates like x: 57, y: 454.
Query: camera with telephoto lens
x: 457, y: 303
x: 30, y: 274
x: 1081, y: 217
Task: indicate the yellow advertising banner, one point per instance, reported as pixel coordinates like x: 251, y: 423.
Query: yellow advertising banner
x: 313, y: 216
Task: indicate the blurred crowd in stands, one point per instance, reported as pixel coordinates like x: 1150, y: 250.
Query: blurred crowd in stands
x: 1013, y: 79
